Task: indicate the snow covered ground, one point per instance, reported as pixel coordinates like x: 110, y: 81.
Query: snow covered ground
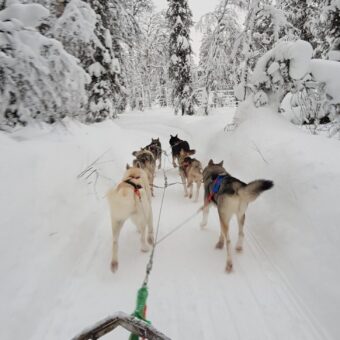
x: 55, y: 234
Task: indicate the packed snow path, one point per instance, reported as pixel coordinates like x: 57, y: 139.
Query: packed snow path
x: 56, y: 241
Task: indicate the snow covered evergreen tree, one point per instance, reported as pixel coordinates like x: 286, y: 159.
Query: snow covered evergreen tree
x: 39, y: 79
x: 95, y: 32
x: 179, y: 18
x: 264, y: 26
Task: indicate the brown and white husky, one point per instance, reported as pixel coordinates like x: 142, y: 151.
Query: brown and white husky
x: 190, y: 170
x: 145, y: 160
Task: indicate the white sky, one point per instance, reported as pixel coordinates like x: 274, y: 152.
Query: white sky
x: 198, y: 8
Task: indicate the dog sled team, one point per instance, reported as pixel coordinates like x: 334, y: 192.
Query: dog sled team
x: 131, y: 198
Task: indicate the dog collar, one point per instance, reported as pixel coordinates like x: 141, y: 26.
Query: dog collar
x: 135, y: 186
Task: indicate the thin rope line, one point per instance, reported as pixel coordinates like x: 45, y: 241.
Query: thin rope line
x: 179, y: 226
x: 150, y: 262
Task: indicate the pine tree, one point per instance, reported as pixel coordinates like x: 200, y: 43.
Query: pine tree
x: 38, y: 79
x: 265, y: 25
x: 179, y: 18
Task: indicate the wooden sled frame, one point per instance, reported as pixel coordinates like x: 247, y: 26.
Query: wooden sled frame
x: 129, y: 322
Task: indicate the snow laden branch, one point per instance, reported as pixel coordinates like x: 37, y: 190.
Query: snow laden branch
x: 289, y: 67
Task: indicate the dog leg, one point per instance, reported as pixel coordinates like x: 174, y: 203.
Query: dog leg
x: 160, y: 162
x: 140, y: 219
x: 240, y: 220
x: 220, y: 243
x: 173, y: 161
x: 198, y: 185
x: 144, y: 245
x: 205, y: 215
x: 225, y: 231
x: 184, y: 180
x: 116, y: 228
x: 191, y: 188
x: 150, y: 229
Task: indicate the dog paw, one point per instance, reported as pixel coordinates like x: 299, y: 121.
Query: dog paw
x: 144, y: 248
x: 219, y: 245
x: 239, y: 248
x: 190, y: 196
x: 114, y: 266
x: 229, y: 267
x: 151, y: 240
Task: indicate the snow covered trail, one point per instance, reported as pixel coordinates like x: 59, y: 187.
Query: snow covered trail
x: 56, y: 242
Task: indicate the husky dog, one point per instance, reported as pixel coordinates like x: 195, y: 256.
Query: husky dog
x: 231, y: 196
x: 190, y: 170
x: 146, y: 161
x: 176, y: 146
x: 156, y: 148
x: 131, y: 198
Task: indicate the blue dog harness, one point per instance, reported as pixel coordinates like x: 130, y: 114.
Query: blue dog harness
x: 216, y: 187
x: 217, y: 184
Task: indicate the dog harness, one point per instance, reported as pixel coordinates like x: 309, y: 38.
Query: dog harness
x: 136, y: 188
x: 185, y: 166
x: 216, y: 187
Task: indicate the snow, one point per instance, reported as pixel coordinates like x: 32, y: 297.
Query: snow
x: 182, y: 42
x: 77, y: 23
x: 55, y: 235
x: 29, y: 14
x: 96, y: 69
x: 299, y: 54
x: 334, y: 55
x: 328, y: 71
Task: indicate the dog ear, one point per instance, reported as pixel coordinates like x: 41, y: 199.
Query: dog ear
x: 171, y: 136
x: 127, y: 166
x: 157, y: 139
x: 176, y: 136
x: 220, y: 163
x: 134, y: 153
x: 210, y: 162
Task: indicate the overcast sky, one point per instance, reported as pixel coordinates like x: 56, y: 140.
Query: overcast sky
x: 198, y: 7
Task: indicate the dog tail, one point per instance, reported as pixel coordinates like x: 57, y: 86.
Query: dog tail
x: 253, y: 189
